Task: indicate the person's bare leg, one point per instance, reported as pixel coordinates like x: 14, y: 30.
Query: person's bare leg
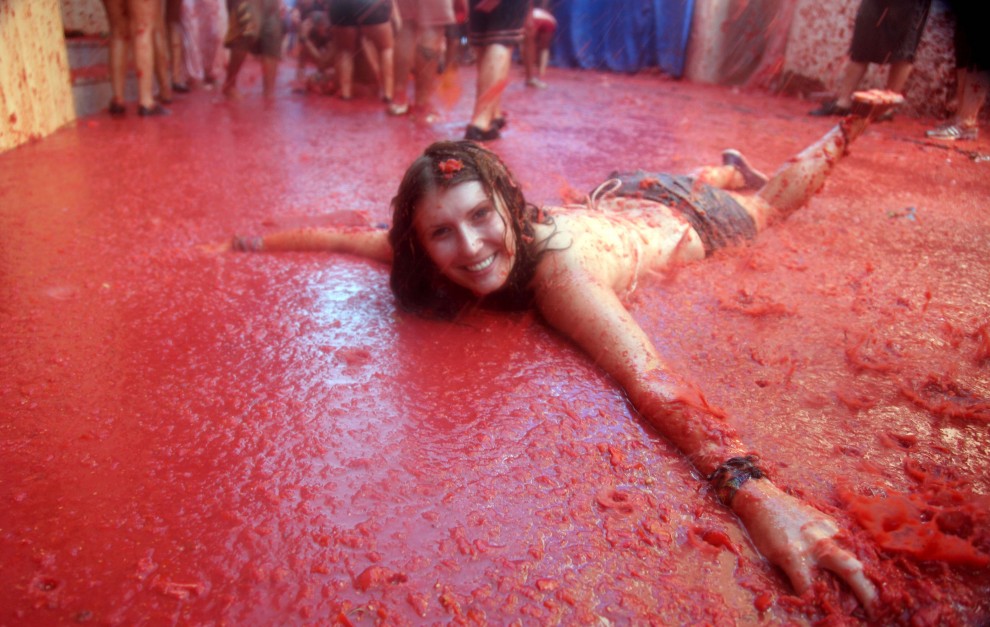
x: 971, y: 93
x: 962, y: 78
x: 803, y: 176
x: 494, y: 63
x: 117, y: 63
x: 898, y: 74
x: 529, y: 54
x: 269, y: 72
x: 381, y: 36
x: 237, y: 56
x: 544, y: 61
x: 973, y: 96
x: 428, y: 50
x: 163, y: 60
x: 405, y: 52
x: 346, y: 39
x: 143, y: 18
x: 851, y: 77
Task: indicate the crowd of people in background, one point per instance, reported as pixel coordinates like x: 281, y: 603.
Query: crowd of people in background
x: 401, y: 50
x: 396, y: 50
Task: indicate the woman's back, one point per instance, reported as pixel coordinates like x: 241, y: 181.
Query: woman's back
x: 618, y: 242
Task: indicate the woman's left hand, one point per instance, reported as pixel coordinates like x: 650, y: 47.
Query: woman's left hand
x: 798, y: 538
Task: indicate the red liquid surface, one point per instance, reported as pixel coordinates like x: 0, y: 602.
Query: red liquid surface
x: 193, y: 438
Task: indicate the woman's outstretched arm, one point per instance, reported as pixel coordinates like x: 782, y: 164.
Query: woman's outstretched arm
x: 794, y: 536
x: 362, y: 241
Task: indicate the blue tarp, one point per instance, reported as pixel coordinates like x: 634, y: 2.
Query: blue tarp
x: 622, y: 35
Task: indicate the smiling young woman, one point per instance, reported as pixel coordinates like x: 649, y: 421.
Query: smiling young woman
x: 462, y: 234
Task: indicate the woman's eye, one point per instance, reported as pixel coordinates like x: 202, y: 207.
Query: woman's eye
x: 482, y: 213
x: 439, y: 233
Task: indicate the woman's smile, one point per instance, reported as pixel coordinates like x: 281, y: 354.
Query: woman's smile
x: 466, y: 235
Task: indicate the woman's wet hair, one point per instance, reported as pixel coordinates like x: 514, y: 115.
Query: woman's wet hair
x: 417, y: 283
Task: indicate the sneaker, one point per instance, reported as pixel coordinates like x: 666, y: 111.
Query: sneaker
x: 753, y: 178
x: 397, y: 109
x: 476, y: 134
x: 953, y: 132
x: 830, y: 108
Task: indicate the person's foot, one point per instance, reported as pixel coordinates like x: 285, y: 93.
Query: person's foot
x: 753, y: 178
x: 474, y: 133
x: 156, y: 110
x: 231, y: 92
x: 116, y: 109
x: 499, y: 123
x: 180, y: 88
x: 828, y: 108
x: 953, y: 132
x: 535, y: 82
x: 875, y: 103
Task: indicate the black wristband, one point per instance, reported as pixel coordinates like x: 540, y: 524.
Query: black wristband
x: 732, y: 474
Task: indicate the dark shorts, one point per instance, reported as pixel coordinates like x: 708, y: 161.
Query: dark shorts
x: 360, y: 12
x: 714, y: 214
x: 972, y: 43
x: 888, y: 30
x: 504, y: 25
x: 254, y: 26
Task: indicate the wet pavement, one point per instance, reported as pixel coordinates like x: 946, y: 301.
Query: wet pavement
x: 199, y: 438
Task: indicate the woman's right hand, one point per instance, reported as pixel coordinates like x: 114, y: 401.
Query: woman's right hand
x: 799, y: 539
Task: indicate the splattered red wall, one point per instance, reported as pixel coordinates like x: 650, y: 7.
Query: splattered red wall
x: 818, y: 47
x: 35, y: 94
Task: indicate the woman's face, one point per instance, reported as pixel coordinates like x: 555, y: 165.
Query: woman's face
x: 466, y: 235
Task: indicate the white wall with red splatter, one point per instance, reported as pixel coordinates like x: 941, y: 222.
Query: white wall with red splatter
x: 818, y: 47
x: 35, y: 93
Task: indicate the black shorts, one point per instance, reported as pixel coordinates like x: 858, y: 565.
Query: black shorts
x: 888, y: 30
x: 360, y: 12
x: 972, y: 44
x: 503, y: 25
x: 713, y: 213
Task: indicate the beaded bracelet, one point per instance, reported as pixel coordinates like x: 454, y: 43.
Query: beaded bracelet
x: 732, y: 474
x: 243, y: 243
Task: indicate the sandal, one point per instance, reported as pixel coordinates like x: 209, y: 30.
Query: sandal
x: 830, y: 108
x: 116, y: 109
x: 476, y: 134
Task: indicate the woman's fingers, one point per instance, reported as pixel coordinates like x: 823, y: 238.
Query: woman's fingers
x: 845, y: 566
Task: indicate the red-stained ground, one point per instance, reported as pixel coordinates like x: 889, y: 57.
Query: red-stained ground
x: 192, y: 438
